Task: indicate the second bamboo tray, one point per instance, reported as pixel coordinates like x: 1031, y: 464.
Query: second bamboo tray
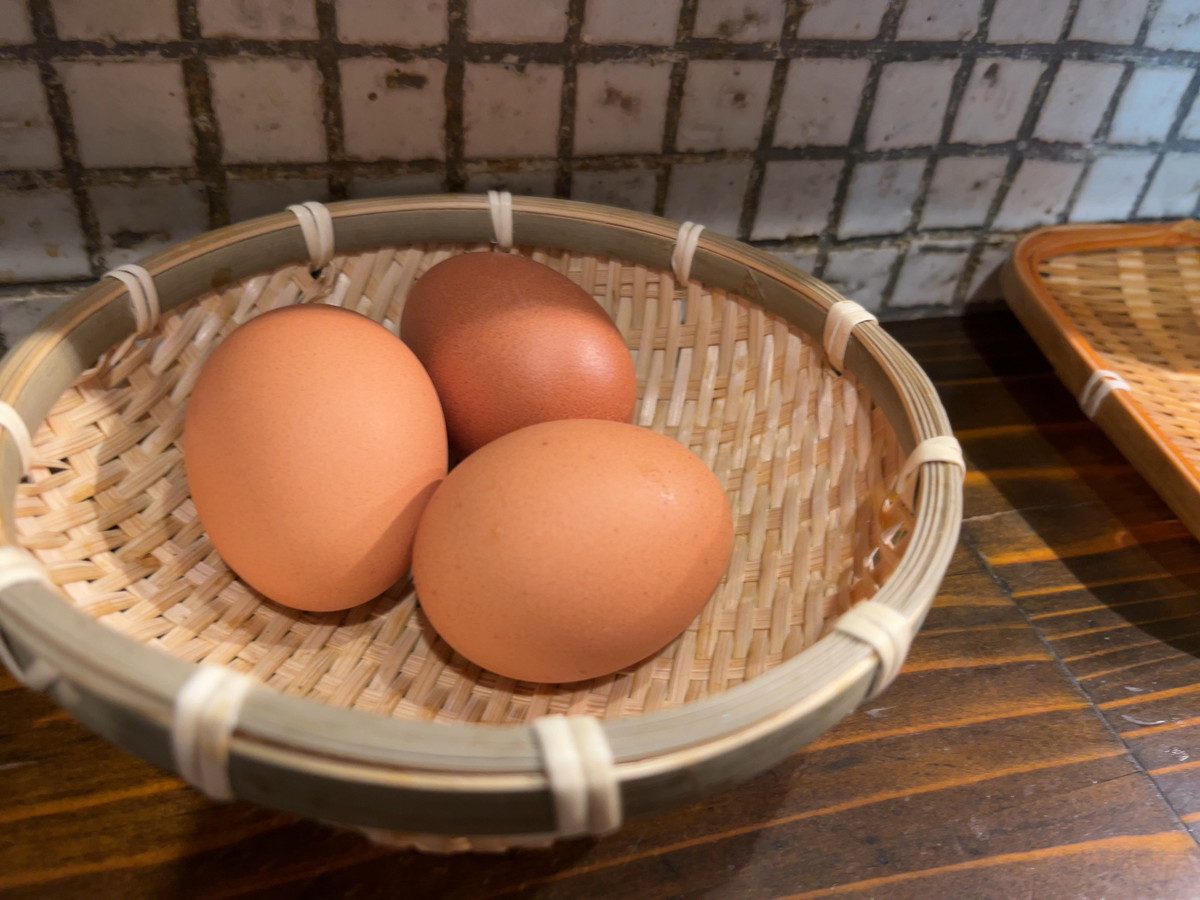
x: 1116, y: 309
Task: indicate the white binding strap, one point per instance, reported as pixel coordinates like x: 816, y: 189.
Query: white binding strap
x: 885, y: 631
x: 583, y: 779
x: 316, y: 224
x: 14, y: 425
x: 686, y: 243
x: 500, y: 205
x: 205, y: 716
x: 840, y: 322
x: 143, y: 295
x: 943, y: 448
x: 1101, y: 383
x: 18, y: 567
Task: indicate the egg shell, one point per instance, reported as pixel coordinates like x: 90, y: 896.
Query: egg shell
x: 510, y: 342
x: 313, y: 439
x: 571, y: 549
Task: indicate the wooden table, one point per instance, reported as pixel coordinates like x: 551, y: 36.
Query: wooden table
x: 1043, y: 741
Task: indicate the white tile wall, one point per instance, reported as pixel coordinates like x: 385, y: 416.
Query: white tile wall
x: 1176, y: 26
x: 269, y: 110
x: 803, y: 258
x: 723, y: 104
x: 995, y: 100
x: 509, y: 112
x: 744, y: 21
x: 1189, y: 129
x: 530, y: 182
x: 1112, y: 187
x: 820, y: 101
x: 1077, y: 100
x: 930, y: 274
x: 516, y: 20
x: 137, y: 220
x: 398, y: 186
x: 881, y: 197
x: 116, y: 20
x: 40, y: 237
x: 14, y: 22
x: 394, y: 110
x: 985, y: 280
x: 273, y: 19
x: 621, y: 107
x: 1027, y: 21
x: 1175, y: 188
x: 861, y: 273
x: 1038, y: 194
x: 27, y: 138
x: 253, y: 197
x: 1149, y: 104
x: 851, y: 20
x: 21, y: 316
x: 910, y: 104
x: 939, y: 20
x: 796, y: 199
x: 962, y: 190
x: 1108, y: 21
x: 709, y: 193
x: 417, y: 23
x: 626, y: 188
x: 129, y: 113
x: 631, y: 22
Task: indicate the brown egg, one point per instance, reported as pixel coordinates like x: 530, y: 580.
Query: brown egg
x: 313, y: 440
x: 510, y: 342
x: 571, y: 549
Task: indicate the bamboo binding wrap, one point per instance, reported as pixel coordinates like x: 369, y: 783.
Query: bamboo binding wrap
x: 361, y: 718
x: 1116, y: 309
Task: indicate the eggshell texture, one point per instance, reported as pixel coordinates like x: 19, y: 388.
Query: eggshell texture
x: 571, y: 549
x: 312, y: 441
x: 510, y: 342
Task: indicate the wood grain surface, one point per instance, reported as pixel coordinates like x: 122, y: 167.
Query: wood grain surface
x: 1043, y: 740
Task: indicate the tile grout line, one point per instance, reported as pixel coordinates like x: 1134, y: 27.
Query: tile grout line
x: 684, y: 26
x: 752, y: 197
x: 453, y: 92
x: 45, y: 33
x: 332, y: 114
x: 521, y: 52
x: 576, y: 9
x: 1189, y: 96
x: 866, y: 108
x: 203, y: 119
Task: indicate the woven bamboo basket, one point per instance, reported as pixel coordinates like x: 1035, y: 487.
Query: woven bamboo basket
x: 1116, y: 309
x: 113, y: 599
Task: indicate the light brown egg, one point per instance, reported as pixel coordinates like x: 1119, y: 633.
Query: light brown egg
x: 571, y: 549
x: 313, y: 440
x: 510, y: 342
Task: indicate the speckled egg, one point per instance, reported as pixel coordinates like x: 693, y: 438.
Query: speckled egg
x: 510, y: 342
x: 571, y: 549
x: 312, y: 441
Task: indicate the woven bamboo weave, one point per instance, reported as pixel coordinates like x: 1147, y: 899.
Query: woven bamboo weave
x: 1126, y: 299
x: 806, y: 457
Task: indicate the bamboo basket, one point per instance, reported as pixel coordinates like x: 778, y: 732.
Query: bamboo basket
x: 364, y: 718
x: 1116, y: 309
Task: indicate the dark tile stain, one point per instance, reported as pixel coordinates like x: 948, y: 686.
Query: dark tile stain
x: 399, y: 79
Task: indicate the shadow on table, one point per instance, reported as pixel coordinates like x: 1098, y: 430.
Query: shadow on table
x: 240, y: 850
x: 1104, y: 523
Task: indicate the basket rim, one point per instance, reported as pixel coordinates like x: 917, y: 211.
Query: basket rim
x: 831, y: 675
x: 1123, y: 418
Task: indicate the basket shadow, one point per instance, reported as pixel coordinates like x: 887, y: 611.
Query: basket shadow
x: 1110, y: 535
x: 239, y: 850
